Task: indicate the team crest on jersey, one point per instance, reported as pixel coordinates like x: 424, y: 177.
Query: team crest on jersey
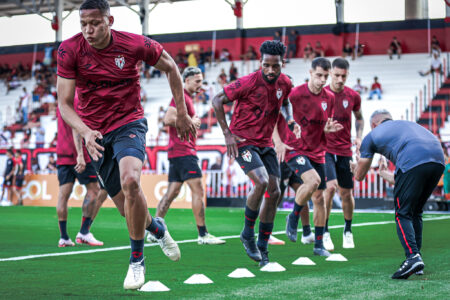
x: 247, y: 156
x: 301, y: 160
x: 345, y: 103
x: 324, y: 106
x: 120, y: 61
x: 279, y: 93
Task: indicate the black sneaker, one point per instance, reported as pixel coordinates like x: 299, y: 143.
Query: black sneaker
x: 264, y: 257
x: 250, y: 248
x: 409, y: 267
x: 291, y: 232
x: 321, y: 252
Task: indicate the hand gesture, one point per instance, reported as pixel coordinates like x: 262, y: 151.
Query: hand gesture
x: 297, y: 131
x: 382, y: 164
x: 332, y: 126
x: 280, y: 149
x: 197, y: 122
x: 90, y: 139
x: 357, y: 143
x: 231, y: 141
x: 185, y: 126
x: 81, y: 164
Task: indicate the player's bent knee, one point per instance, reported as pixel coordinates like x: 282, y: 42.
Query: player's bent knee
x: 130, y: 182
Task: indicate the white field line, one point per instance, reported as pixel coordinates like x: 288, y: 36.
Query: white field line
x: 191, y: 241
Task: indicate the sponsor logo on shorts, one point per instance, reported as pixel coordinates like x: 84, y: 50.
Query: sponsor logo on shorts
x: 120, y: 61
x: 324, y: 106
x: 279, y: 93
x: 132, y: 136
x: 345, y: 103
x: 301, y: 160
x: 247, y: 156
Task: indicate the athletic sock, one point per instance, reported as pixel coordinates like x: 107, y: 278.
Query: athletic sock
x: 319, y: 237
x: 137, y: 250
x: 249, y: 223
x: 306, y: 230
x: 202, y: 230
x: 326, y: 226
x: 156, y: 229
x: 85, y: 224
x: 63, y: 230
x: 295, y: 215
x: 265, y: 230
x: 348, y: 225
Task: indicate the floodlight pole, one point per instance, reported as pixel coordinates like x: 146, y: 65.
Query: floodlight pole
x: 144, y: 15
x: 59, y: 7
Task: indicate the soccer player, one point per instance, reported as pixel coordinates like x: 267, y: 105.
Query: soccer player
x: 8, y: 175
x: 312, y: 107
x: 19, y: 175
x: 184, y: 161
x: 419, y: 163
x: 102, y: 64
x: 339, y: 153
x: 258, y: 97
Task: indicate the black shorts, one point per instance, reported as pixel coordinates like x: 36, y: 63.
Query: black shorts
x: 300, y: 164
x: 67, y: 174
x: 19, y: 181
x: 127, y: 140
x: 338, y: 167
x: 253, y: 157
x: 183, y: 168
x: 288, y: 177
x: 7, y: 182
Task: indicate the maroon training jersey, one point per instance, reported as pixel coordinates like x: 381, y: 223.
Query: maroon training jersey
x: 311, y: 112
x: 65, y: 147
x: 107, y: 80
x: 257, y: 107
x: 177, y: 147
x: 346, y: 101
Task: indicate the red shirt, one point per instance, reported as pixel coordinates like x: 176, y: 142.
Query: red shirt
x: 346, y: 101
x: 375, y: 86
x: 107, y: 80
x: 257, y: 107
x: 65, y: 146
x: 311, y: 112
x: 177, y: 147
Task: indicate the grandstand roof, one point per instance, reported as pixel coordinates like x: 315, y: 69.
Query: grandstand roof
x: 9, y: 8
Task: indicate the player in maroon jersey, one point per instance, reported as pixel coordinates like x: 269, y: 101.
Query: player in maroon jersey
x: 339, y: 152
x: 19, y: 175
x: 101, y: 64
x: 312, y: 108
x: 258, y: 97
x: 184, y: 161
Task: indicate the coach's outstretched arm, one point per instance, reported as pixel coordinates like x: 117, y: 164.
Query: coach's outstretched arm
x: 360, y: 167
x: 66, y: 93
x: 231, y: 140
x: 184, y: 124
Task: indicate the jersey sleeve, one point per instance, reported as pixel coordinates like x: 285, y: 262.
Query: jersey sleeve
x: 237, y: 89
x: 367, y: 149
x: 357, y: 103
x: 332, y: 103
x: 66, y: 61
x: 149, y: 50
x: 283, y: 129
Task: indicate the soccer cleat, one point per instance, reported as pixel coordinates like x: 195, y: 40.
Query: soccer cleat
x: 264, y: 257
x: 347, y: 241
x: 209, y: 239
x: 321, y: 252
x: 327, y: 242
x: 409, y: 267
x: 87, y: 239
x: 309, y: 239
x: 151, y: 238
x: 135, y: 276
x: 291, y: 232
x: 419, y: 273
x: 65, y: 243
x: 250, y: 248
x: 167, y: 244
x: 274, y: 241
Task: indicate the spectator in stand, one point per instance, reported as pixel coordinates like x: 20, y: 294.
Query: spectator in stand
x: 292, y: 44
x: 319, y: 51
x: 51, y: 166
x: 192, y: 59
x: 394, y: 48
x: 224, y: 55
x: 348, y: 51
x: 40, y: 136
x: 250, y: 54
x: 435, y: 66
x: 49, y: 100
x: 375, y: 89
x: 308, y: 52
x: 5, y: 138
x: 25, y: 99
x: 216, y: 178
x: 277, y: 36
x: 12, y: 83
x: 359, y: 51
x: 25, y: 142
x: 210, y: 56
x: 435, y: 46
x: 233, y: 72
x: 209, y: 90
x: 358, y: 87
x: 35, y: 168
x: 222, y: 79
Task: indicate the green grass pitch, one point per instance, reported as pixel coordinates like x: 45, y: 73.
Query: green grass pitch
x: 366, y: 275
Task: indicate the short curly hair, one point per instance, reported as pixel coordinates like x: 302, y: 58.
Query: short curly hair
x: 273, y: 48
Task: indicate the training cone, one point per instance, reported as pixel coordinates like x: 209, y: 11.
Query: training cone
x: 198, y: 279
x: 241, y: 273
x: 304, y: 261
x: 336, y: 257
x: 154, y: 286
x: 273, y: 267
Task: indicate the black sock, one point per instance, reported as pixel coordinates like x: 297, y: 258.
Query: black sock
x: 265, y: 230
x: 348, y: 225
x: 202, y: 230
x: 137, y: 250
x: 156, y: 228
x: 63, y: 230
x: 295, y: 215
x: 319, y: 237
x: 85, y: 224
x: 306, y: 230
x: 326, y: 225
x: 249, y: 224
